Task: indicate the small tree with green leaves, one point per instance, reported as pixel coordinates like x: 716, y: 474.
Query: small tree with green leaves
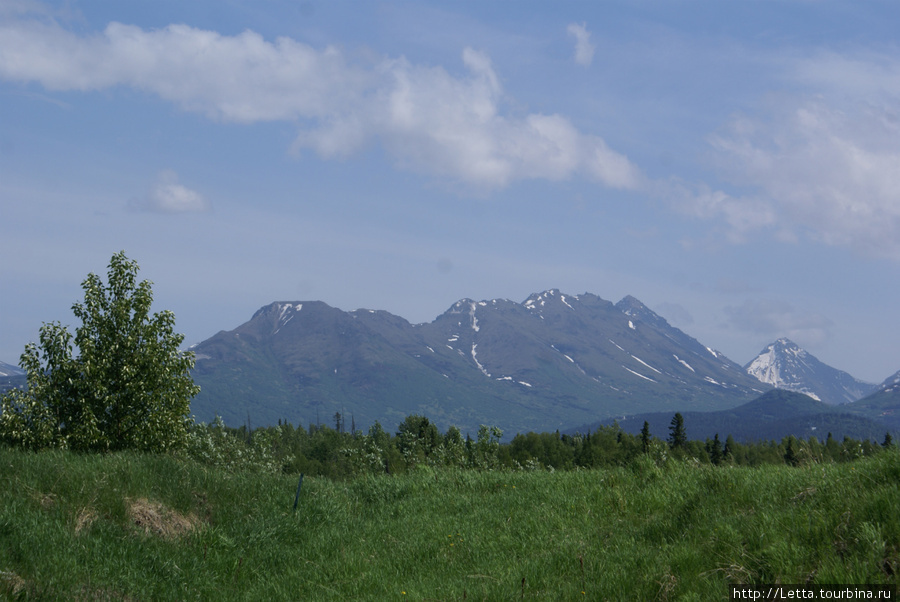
x: 417, y: 437
x: 129, y: 387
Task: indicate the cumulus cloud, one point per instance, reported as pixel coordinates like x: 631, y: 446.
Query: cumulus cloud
x: 584, y: 50
x: 824, y: 164
x: 739, y: 215
x: 774, y: 318
x: 169, y: 196
x: 428, y: 119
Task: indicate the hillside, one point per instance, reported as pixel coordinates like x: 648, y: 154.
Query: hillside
x: 883, y: 405
x: 772, y: 416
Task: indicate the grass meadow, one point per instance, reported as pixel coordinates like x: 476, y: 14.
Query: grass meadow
x: 129, y: 526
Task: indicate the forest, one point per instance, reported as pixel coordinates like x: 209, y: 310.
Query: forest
x: 340, y: 451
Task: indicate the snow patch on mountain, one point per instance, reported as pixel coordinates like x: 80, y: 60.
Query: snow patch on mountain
x: 683, y: 363
x: 477, y: 363
x: 639, y: 374
x: 646, y: 364
x: 475, y: 326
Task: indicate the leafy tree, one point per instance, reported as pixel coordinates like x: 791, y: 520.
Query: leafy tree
x: 677, y: 435
x: 417, y: 435
x: 381, y: 437
x: 488, y: 446
x: 129, y: 387
x: 453, y: 448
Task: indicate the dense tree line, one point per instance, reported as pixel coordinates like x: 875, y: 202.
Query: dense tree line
x: 340, y: 453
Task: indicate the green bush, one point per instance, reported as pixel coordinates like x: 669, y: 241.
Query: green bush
x: 129, y: 387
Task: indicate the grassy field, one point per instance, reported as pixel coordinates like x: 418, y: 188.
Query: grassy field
x: 144, y: 527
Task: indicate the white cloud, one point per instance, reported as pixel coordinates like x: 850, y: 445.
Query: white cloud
x: 740, y: 215
x: 823, y: 163
x: 435, y: 122
x: 428, y: 119
x: 584, y: 50
x: 169, y: 196
x: 237, y: 78
x: 831, y: 173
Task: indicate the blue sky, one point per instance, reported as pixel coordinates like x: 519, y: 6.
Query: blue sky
x: 734, y: 165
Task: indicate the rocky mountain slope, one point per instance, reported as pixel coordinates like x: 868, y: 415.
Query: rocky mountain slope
x: 552, y: 361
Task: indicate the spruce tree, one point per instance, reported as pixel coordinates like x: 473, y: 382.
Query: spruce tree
x: 790, y: 455
x: 728, y: 452
x: 677, y: 435
x: 715, y: 451
x: 645, y: 437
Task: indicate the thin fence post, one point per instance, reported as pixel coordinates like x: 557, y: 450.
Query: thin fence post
x: 297, y: 497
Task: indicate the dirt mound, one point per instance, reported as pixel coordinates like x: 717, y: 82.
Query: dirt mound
x: 156, y: 519
x: 85, y: 519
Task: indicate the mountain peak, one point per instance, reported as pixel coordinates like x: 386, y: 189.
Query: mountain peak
x: 891, y: 383
x: 633, y: 308
x: 785, y: 365
x: 553, y: 295
x: 786, y: 344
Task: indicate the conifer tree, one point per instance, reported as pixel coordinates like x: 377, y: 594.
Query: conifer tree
x: 715, y: 450
x: 790, y: 454
x: 677, y: 435
x: 645, y: 437
x: 728, y: 452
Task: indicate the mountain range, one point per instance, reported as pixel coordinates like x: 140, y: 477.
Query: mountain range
x: 552, y: 361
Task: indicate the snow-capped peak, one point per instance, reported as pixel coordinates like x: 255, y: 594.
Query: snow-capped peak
x: 785, y: 365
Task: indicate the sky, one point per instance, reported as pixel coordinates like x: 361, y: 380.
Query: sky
x: 733, y: 165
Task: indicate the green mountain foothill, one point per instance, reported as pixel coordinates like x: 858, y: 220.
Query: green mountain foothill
x: 773, y: 416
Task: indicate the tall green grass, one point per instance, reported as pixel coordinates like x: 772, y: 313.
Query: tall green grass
x: 644, y: 532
